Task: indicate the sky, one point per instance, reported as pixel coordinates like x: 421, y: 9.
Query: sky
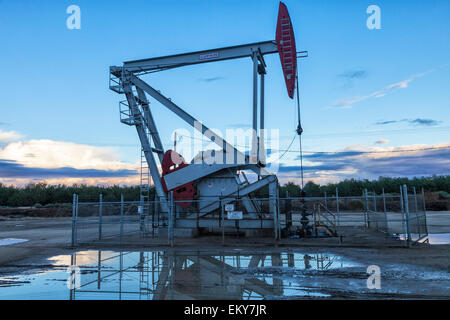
x: 374, y: 102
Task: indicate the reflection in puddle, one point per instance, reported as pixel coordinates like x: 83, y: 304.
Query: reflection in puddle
x: 9, y: 241
x: 439, y: 238
x: 172, y: 275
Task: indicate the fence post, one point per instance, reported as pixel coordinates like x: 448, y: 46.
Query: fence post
x: 415, y: 199
x: 100, y: 216
x: 121, y: 217
x: 374, y: 201
x: 155, y: 214
x: 275, y: 217
x: 76, y: 218
x: 384, y: 201
x: 338, y: 209
x: 326, y: 202
x: 73, y: 219
x: 423, y: 201
x: 402, y: 207
x: 366, y: 221
x: 278, y: 212
x: 408, y: 226
x: 223, y: 223
x: 171, y: 218
x: 141, y: 215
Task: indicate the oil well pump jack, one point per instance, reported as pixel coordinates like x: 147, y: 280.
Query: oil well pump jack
x: 201, y: 189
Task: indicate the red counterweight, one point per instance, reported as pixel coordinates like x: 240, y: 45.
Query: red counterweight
x: 286, y: 48
x: 173, y: 161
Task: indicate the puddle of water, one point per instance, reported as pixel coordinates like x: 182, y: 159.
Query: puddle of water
x: 439, y: 238
x: 9, y: 241
x: 433, y: 238
x: 171, y: 275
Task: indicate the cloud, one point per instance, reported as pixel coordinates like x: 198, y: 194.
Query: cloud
x: 415, y: 122
x: 355, y: 74
x: 387, y: 122
x: 425, y: 122
x: 23, y: 162
x: 382, y: 141
x: 404, y: 161
x: 334, y: 155
x: 348, y: 103
x: 8, y: 136
x: 12, y: 169
x: 56, y: 154
x: 212, y: 79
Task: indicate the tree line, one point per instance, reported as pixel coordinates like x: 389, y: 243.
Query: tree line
x: 42, y: 194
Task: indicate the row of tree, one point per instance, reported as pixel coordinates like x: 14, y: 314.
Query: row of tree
x: 353, y: 187
x: 44, y: 194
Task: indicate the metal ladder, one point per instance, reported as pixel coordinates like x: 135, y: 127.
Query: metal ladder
x: 145, y: 179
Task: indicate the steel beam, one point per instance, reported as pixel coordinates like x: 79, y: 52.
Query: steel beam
x: 261, y: 151
x: 254, y: 150
x: 150, y: 123
x: 139, y: 83
x: 145, y: 145
x: 191, y: 58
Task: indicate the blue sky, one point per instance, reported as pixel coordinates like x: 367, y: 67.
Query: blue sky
x: 357, y: 86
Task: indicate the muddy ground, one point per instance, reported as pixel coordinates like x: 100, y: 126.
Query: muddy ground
x: 422, y: 271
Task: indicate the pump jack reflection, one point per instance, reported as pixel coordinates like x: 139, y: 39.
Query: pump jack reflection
x: 175, y: 275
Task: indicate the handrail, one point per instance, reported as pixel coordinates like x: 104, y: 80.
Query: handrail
x: 327, y: 222
x: 328, y: 210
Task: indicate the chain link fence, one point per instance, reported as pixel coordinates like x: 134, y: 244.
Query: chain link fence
x: 401, y: 216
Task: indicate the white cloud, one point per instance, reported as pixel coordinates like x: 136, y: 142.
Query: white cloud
x: 348, y: 103
x: 8, y: 136
x: 57, y: 154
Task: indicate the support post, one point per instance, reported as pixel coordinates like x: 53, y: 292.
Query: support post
x: 100, y: 216
x: 326, y: 203
x: 155, y: 216
x: 141, y: 215
x: 366, y: 220
x: 254, y: 149
x: 406, y: 204
x: 273, y: 204
x: 415, y: 200
x: 261, y: 151
x: 278, y: 212
x: 423, y: 201
x: 74, y: 219
x: 223, y: 224
x: 384, y: 201
x: 403, y: 212
x: 121, y: 216
x: 170, y: 231
x: 374, y: 201
x: 338, y: 209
